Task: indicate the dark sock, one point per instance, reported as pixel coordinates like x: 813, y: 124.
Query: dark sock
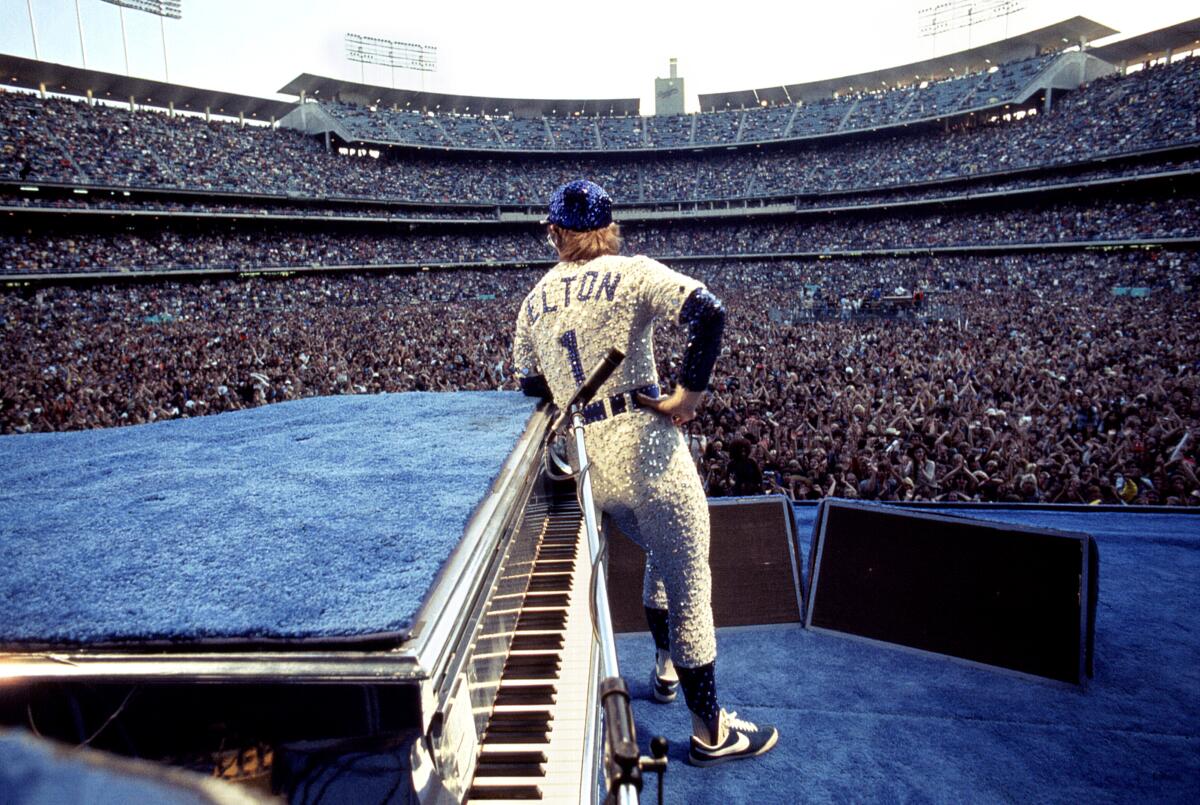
x: 700, y: 691
x: 660, y: 628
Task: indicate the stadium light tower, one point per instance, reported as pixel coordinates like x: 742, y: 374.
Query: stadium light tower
x: 390, y: 53
x: 954, y: 15
x: 160, y: 8
x: 33, y: 30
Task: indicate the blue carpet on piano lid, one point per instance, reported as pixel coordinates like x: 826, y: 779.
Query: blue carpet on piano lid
x: 323, y: 517
x: 864, y: 722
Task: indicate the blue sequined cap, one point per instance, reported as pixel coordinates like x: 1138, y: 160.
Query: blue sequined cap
x: 580, y: 206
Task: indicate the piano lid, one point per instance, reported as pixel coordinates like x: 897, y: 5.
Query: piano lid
x: 233, y: 524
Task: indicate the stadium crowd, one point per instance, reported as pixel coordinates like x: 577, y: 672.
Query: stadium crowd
x: 852, y: 111
x: 227, y: 246
x: 243, y: 209
x: 1035, y: 382
x: 949, y: 191
x: 57, y: 140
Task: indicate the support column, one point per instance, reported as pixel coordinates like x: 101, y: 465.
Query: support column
x: 1049, y: 100
x: 327, y: 148
x: 132, y: 104
x: 171, y: 108
x: 241, y: 118
x: 42, y: 90
x: 207, y: 115
x: 91, y: 98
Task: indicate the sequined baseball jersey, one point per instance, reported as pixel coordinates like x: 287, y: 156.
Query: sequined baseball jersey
x: 578, y: 311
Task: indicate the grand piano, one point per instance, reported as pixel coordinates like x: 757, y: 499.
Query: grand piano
x: 486, y: 692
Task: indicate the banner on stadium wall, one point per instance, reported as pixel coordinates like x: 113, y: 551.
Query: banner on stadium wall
x: 1120, y: 290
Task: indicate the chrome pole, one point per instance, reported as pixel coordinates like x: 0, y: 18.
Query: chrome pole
x: 627, y: 793
x: 608, y: 649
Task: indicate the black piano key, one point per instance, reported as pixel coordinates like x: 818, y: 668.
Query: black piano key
x: 541, y: 659
x: 542, y: 621
x: 527, y: 695
x: 557, y: 555
x: 500, y: 735
x: 511, y: 764
x: 553, y: 582
x: 485, y: 792
x: 526, y: 717
x: 547, y: 599
x: 530, y: 673
x: 531, y: 670
x: 554, y: 566
x: 531, y: 757
x: 537, y: 642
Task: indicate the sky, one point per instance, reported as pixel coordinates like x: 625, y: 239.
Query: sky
x: 529, y: 49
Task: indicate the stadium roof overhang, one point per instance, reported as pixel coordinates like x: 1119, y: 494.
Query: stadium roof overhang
x: 321, y: 87
x: 1180, y: 37
x: 1075, y: 31
x: 63, y: 79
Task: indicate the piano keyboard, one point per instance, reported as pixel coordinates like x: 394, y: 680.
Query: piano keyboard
x: 532, y: 748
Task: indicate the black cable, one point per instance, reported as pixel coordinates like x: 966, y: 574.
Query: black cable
x: 109, y: 720
x: 323, y: 767
x: 594, y: 580
x: 29, y: 717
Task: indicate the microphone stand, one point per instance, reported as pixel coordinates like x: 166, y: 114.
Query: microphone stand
x: 625, y: 765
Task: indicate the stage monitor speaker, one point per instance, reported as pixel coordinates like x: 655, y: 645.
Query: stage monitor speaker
x: 753, y: 555
x: 987, y: 592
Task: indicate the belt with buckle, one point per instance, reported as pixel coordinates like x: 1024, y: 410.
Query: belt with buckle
x: 617, y: 404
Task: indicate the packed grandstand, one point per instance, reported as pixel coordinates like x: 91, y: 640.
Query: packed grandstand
x: 961, y: 289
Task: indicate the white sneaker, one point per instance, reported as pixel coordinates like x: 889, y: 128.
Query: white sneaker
x: 741, y: 739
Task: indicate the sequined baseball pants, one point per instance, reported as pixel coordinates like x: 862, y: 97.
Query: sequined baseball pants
x: 643, y: 478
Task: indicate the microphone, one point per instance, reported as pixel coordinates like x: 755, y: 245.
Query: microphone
x: 584, y: 394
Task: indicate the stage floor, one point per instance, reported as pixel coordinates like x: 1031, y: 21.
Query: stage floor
x: 321, y: 518
x: 863, y: 722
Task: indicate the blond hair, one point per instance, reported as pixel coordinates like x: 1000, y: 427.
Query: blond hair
x: 576, y: 247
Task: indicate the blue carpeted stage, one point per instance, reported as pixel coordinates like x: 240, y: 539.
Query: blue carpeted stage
x: 321, y: 518
x: 863, y: 722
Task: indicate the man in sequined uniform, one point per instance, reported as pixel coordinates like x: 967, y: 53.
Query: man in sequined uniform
x: 641, y: 470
